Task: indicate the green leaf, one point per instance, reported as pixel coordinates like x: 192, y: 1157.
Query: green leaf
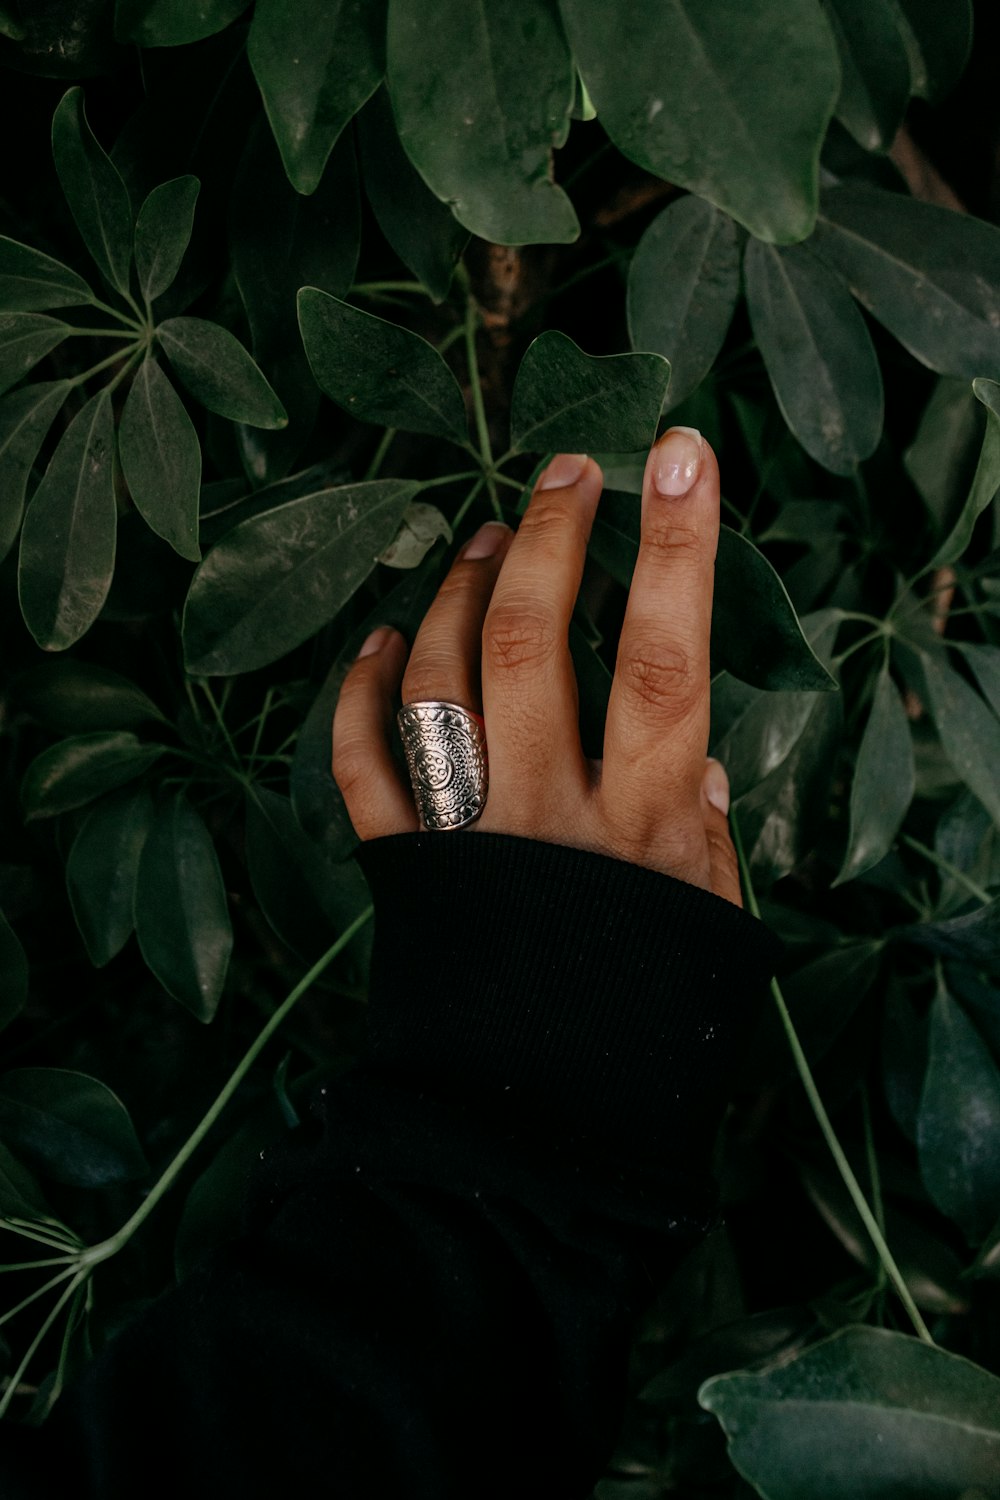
x: 419, y: 529
x: 821, y: 996
x: 172, y: 23
x: 69, y: 1127
x: 941, y: 459
x: 973, y: 938
x: 10, y: 26
x: 68, y: 539
x: 985, y: 664
x: 219, y: 372
x: 421, y: 229
x: 25, y: 338
x: 938, y: 40
x: 378, y: 371
x: 968, y: 731
x: 985, y: 482
x: 95, y: 192
x: 683, y: 285
x: 163, y: 232
x: 567, y: 400
x: 31, y: 281
x: 931, y: 275
x: 864, y: 1415
x: 480, y: 99
x: 13, y: 974
x: 25, y: 418
x: 875, y: 70
x: 74, y: 697
x: 275, y: 579
x: 316, y: 62
x: 818, y: 353
x: 884, y: 781
x: 959, y: 1123
x: 102, y: 868
x: 161, y: 459
x: 181, y: 917
x: 81, y: 768
x: 20, y: 1195
x: 741, y: 112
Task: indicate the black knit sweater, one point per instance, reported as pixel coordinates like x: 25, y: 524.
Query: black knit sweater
x: 434, y: 1288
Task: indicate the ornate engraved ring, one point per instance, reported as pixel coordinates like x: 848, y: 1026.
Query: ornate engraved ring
x: 445, y: 748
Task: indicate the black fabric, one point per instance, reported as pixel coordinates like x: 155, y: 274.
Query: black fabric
x: 433, y: 1290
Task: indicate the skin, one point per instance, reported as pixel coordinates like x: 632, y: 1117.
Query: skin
x: 495, y: 640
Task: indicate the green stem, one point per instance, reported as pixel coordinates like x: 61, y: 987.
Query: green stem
x: 101, y: 333
x: 430, y: 484
x: 115, y: 312
x: 39, y: 1291
x: 385, y: 443
x: 220, y: 721
x: 262, y: 719
x: 373, y: 288
x: 946, y: 865
x: 823, y: 1121
x: 874, y: 1177
x: 37, y: 1265
x: 478, y: 405
x: 16, y: 1378
x: 513, y: 484
x: 460, y: 514
x: 102, y: 364
x: 43, y: 1235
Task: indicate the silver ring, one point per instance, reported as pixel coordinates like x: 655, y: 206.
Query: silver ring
x: 445, y: 748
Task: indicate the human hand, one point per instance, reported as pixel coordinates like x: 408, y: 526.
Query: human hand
x: 495, y: 640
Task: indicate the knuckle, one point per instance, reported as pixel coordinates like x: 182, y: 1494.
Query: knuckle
x: 669, y: 538
x: 659, y: 676
x: 433, y: 677
x: 517, y: 638
x: 547, y: 517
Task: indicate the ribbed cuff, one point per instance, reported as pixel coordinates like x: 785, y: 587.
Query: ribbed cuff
x: 591, y: 996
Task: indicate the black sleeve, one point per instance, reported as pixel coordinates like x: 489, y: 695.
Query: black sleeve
x: 434, y: 1289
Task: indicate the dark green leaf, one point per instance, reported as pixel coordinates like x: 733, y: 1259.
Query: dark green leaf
x: 683, y: 284
x: 69, y: 1127
x: 968, y: 731
x: 172, y: 23
x: 102, y: 868
x: 316, y: 62
x: 938, y: 40
x: 25, y: 418
x: 13, y: 974
x: 821, y: 996
x: 161, y: 459
x: 884, y: 781
x: 81, y: 768
x: 181, y: 917
x: 818, y: 353
x: 931, y: 275
x: 985, y: 482
x: 985, y: 664
x: 740, y: 116
x: 875, y: 70
x: 566, y: 400
x: 25, y: 338
x: 68, y: 538
x: 20, y: 1195
x: 74, y: 697
x: 95, y: 192
x: 162, y: 233
x: 419, y: 529
x: 974, y: 938
x: 378, y: 371
x: 959, y: 1122
x: 219, y: 372
x: 10, y: 26
x: 421, y: 229
x: 274, y: 580
x: 864, y: 1415
x: 30, y: 281
x: 941, y: 460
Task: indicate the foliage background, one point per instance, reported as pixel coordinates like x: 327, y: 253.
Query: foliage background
x: 212, y: 485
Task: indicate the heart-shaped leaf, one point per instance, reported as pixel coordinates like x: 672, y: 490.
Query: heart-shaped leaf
x: 25, y: 418
x: 69, y: 1127
x: 94, y: 190
x: 163, y: 232
x: 25, y: 338
x: 219, y: 372
x: 102, y: 868
x: 884, y: 781
x: 83, y: 767
x: 31, y: 281
x: 161, y: 459
x: 566, y: 400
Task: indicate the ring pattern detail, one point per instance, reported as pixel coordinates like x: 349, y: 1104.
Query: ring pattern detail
x: 446, y: 754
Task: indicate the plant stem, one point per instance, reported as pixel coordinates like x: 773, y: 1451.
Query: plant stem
x: 478, y: 405
x: 460, y: 514
x: 39, y: 1291
x: 114, y: 312
x: 102, y: 364
x: 101, y: 333
x: 16, y: 1377
x: 373, y: 288
x: 948, y: 868
x: 823, y: 1121
x: 431, y: 484
x: 385, y: 443
x: 36, y: 1265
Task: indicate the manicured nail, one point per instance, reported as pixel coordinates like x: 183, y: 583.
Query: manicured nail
x: 487, y: 541
x: 677, y: 461
x: 375, y: 641
x: 717, y: 785
x: 565, y: 469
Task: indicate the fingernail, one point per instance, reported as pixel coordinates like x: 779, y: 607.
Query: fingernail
x: 375, y: 641
x: 487, y: 541
x: 717, y: 785
x: 677, y: 461
x: 564, y: 469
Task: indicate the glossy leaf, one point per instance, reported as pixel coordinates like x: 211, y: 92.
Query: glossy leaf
x: 181, y: 917
x: 883, y: 784
x: 274, y: 580
x: 941, y: 460
x: 985, y: 664
x: 863, y: 1415
x: 968, y: 731
x: 959, y: 1122
x: 13, y: 974
x: 83, y: 767
x: 378, y: 371
x: 422, y: 525
x: 818, y: 353
x: 973, y: 938
x: 219, y: 372
x: 875, y: 70
x: 20, y: 1195
x: 26, y: 338
x: 421, y: 229
x: 69, y: 1127
x: 25, y: 418
x: 172, y: 23
x: 316, y: 62
x: 931, y: 275
x: 565, y: 399
x: 68, y: 538
x: 938, y: 40
x: 741, y: 114
x: 31, y: 281
x: 985, y: 482
x: 75, y: 697
x: 163, y: 232
x: 161, y: 459
x: 683, y: 285
x: 500, y: 74
x: 95, y: 192
x: 102, y: 868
